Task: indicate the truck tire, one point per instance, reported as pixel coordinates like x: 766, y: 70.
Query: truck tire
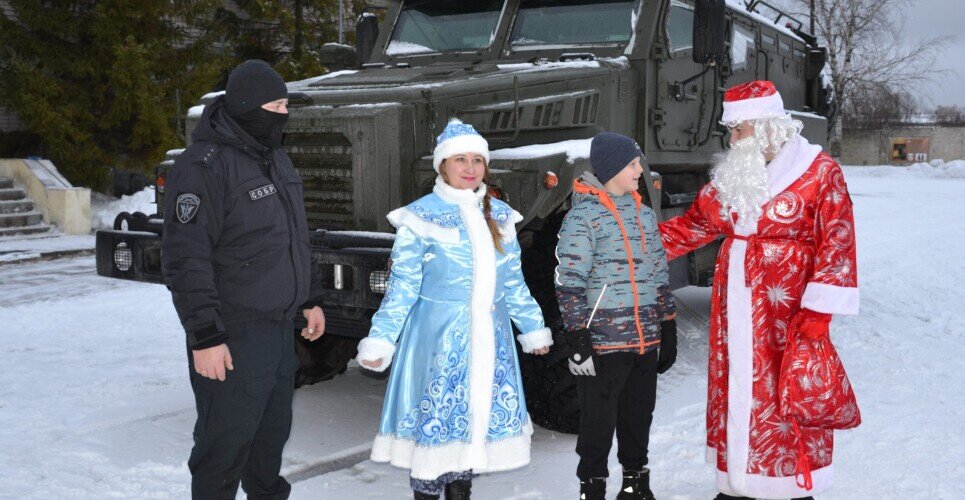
x: 322, y: 359
x: 548, y: 385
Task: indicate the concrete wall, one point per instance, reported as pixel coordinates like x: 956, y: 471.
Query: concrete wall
x: 61, y: 203
x: 873, y: 147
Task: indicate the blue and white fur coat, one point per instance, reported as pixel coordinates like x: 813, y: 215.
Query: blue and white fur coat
x: 454, y: 400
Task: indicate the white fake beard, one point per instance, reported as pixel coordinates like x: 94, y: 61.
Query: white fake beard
x: 740, y: 178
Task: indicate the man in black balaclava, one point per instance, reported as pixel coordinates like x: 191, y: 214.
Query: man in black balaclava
x: 236, y: 257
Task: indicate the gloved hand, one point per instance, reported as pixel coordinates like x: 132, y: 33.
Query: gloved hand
x: 581, y: 358
x: 668, y: 345
x: 813, y: 325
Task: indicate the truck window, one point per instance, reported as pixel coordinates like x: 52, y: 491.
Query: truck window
x: 428, y: 26
x: 680, y: 26
x: 548, y: 23
x: 742, y: 43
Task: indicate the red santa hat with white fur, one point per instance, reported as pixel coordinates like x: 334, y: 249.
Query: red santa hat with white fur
x: 752, y: 101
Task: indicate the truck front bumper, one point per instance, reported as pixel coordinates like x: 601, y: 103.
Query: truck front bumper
x: 354, y: 268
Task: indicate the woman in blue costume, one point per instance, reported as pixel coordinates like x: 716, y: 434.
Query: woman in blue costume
x: 454, y: 404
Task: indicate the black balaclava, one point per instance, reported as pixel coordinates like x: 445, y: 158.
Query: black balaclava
x: 250, y: 85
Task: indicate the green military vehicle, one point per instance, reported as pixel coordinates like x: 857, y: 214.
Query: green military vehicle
x: 538, y: 79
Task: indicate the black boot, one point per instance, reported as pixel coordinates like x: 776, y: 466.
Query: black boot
x: 593, y: 489
x: 459, y: 489
x: 721, y: 496
x: 418, y: 495
x: 636, y: 485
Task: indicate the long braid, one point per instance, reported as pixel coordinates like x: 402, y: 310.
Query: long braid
x: 493, y: 227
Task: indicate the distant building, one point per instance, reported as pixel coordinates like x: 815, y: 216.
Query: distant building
x: 903, y: 144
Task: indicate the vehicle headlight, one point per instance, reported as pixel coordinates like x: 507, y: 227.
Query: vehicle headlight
x: 123, y: 257
x: 379, y: 281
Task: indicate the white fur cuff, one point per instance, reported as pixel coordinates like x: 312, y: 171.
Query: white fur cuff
x: 371, y: 349
x: 536, y: 339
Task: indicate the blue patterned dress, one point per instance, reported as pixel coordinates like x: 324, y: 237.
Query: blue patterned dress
x: 454, y: 400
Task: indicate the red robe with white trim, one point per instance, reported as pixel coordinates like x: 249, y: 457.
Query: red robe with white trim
x: 799, y: 254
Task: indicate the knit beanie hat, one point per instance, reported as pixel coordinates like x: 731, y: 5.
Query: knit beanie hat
x: 458, y: 138
x: 610, y: 153
x: 253, y: 83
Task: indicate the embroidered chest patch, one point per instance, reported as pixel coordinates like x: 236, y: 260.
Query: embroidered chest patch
x: 259, y: 193
x: 188, y: 207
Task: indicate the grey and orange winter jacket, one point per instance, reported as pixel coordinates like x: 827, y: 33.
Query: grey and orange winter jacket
x: 612, y: 242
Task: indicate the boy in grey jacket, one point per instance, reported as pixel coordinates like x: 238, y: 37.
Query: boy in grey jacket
x: 613, y: 291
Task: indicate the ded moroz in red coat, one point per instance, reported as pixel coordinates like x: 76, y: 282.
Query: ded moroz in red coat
x: 800, y: 253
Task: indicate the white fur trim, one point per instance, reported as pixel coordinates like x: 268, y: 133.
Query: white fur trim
x: 460, y: 145
x: 461, y: 197
x: 483, y: 342
x: 740, y: 353
x: 830, y: 299
x: 404, y: 217
x: 371, y: 349
x: 536, y: 339
x: 757, y: 486
x: 753, y: 109
x: 790, y: 163
x: 430, y: 462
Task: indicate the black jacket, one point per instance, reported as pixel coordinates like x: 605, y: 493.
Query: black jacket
x: 235, y: 244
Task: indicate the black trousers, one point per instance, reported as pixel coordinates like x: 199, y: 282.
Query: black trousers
x: 621, y: 396
x: 244, y: 422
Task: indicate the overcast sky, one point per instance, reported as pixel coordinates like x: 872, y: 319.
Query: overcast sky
x: 929, y: 18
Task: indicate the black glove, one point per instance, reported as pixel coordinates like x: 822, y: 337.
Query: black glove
x: 581, y: 353
x: 668, y: 345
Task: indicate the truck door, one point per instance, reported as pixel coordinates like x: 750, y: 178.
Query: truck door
x: 684, y: 109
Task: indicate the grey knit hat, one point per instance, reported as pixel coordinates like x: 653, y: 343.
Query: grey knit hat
x: 610, y: 153
x: 253, y: 83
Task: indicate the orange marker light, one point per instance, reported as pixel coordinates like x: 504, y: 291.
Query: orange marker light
x: 159, y: 183
x: 550, y: 180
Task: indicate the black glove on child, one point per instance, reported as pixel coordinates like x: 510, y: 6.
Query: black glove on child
x: 668, y: 345
x: 582, y: 353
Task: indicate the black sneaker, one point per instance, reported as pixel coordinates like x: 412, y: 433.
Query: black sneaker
x: 636, y: 485
x: 418, y: 495
x: 593, y: 489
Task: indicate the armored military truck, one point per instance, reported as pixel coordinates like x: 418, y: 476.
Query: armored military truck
x: 538, y: 78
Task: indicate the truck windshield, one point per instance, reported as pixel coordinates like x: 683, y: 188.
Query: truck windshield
x: 444, y: 25
x: 574, y: 22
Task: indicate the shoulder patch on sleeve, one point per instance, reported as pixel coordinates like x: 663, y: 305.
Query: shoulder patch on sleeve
x: 187, y: 207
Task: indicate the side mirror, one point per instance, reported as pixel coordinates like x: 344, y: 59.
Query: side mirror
x: 710, y: 31
x: 366, y: 33
x: 337, y: 57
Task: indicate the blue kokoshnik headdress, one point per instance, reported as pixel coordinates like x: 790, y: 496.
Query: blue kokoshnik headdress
x: 458, y: 138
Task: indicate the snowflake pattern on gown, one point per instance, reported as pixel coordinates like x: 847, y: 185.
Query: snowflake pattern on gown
x: 505, y: 418
x: 443, y: 412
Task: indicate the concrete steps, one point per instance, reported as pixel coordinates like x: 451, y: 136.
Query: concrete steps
x: 16, y: 206
x: 18, y: 215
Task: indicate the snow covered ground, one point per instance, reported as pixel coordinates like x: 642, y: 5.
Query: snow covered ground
x: 95, y: 401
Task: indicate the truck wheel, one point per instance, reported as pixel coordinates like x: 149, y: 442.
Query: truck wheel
x: 549, y: 386
x: 323, y: 359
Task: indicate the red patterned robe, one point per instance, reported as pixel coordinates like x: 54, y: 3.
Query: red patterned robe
x: 799, y: 254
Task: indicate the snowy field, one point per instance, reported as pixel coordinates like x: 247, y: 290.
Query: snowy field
x: 95, y: 400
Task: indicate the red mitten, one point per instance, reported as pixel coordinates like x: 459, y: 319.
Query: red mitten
x: 813, y: 325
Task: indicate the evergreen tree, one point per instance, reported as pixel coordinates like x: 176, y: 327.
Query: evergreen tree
x: 100, y: 82
x: 287, y: 33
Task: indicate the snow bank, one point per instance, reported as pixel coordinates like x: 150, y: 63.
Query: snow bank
x: 575, y: 149
x: 104, y: 209
x: 936, y: 169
